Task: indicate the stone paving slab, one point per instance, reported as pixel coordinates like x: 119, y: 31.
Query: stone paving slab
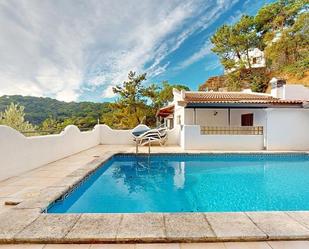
x: 151, y: 246
x: 289, y: 244
x: 46, y: 196
x: 68, y: 181
x: 301, y: 217
x: 48, y: 228
x: 187, y: 227
x: 13, y: 221
x: 278, y: 225
x: 33, y: 204
x: 234, y: 226
x: 141, y: 228
x: 24, y: 223
x: 200, y: 245
x: 246, y: 245
x: 95, y: 228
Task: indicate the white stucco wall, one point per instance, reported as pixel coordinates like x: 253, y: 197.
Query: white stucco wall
x: 219, y: 117
x: 124, y: 137
x: 111, y: 136
x: 297, y: 92
x: 19, y: 153
x: 193, y: 140
x: 287, y: 129
x: 173, y: 136
x: 207, y: 117
x: 179, y: 119
x: 259, y: 116
x: 292, y: 92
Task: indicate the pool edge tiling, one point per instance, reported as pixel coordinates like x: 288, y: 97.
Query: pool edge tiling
x: 26, y: 223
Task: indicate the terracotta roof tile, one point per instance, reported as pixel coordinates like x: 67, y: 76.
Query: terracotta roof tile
x: 234, y: 97
x: 165, y: 111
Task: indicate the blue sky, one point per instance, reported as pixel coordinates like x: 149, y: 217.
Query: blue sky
x: 78, y: 50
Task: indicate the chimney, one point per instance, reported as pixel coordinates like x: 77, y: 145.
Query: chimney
x: 277, y: 87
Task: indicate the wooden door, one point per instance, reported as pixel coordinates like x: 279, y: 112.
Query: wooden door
x: 247, y: 119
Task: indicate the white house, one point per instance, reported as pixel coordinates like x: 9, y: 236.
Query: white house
x: 241, y: 120
x: 256, y: 57
x: 203, y: 121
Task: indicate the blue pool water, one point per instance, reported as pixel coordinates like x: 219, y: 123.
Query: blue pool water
x: 192, y: 183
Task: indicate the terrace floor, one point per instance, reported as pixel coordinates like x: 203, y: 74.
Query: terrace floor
x: 226, y: 245
x: 34, y: 190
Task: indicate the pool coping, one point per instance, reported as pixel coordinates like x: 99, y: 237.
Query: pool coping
x: 27, y: 222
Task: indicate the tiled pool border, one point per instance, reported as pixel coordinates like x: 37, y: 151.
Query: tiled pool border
x: 27, y: 222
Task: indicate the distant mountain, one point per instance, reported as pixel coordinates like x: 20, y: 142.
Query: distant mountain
x: 38, y: 109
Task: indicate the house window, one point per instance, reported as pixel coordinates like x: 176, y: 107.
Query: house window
x: 254, y: 60
x: 247, y: 119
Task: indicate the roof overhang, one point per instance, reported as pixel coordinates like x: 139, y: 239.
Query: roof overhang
x: 236, y: 100
x: 165, y: 111
x: 306, y: 104
x: 239, y: 105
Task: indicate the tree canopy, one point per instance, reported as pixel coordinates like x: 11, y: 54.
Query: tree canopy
x: 138, y: 103
x: 14, y: 116
x: 279, y: 29
x: 37, y: 109
x: 233, y: 43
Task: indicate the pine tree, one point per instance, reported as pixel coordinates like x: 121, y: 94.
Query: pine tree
x: 14, y: 116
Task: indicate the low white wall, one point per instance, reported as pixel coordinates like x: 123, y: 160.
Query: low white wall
x: 173, y: 136
x: 193, y: 140
x: 19, y: 153
x: 287, y: 129
x: 110, y: 136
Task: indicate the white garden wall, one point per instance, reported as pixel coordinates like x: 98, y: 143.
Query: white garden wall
x: 193, y: 140
x: 287, y: 129
x: 111, y: 136
x: 19, y: 153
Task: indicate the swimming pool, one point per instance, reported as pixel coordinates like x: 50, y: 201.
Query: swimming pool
x: 192, y: 183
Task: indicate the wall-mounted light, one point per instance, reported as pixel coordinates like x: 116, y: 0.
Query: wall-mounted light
x: 215, y: 113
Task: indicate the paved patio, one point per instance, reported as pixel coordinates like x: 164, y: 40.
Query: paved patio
x: 226, y: 245
x: 24, y: 223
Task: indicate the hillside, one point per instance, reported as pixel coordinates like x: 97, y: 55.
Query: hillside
x: 294, y: 80
x: 38, y: 109
x: 221, y: 81
x: 275, y: 38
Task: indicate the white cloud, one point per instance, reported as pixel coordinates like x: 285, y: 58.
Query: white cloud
x: 204, y: 50
x: 60, y: 48
x: 108, y: 92
x: 212, y: 15
x: 212, y: 65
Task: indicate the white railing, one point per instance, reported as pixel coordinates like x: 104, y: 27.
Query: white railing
x: 192, y: 139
